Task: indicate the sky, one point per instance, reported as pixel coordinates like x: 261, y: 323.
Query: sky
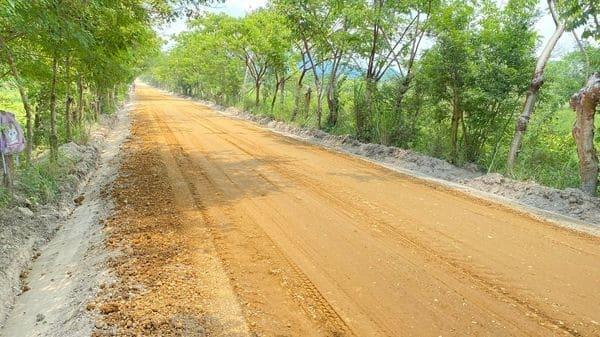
x: 239, y: 8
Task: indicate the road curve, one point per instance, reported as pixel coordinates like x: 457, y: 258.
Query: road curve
x: 320, y: 243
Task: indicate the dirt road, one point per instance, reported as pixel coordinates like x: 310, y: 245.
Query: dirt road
x: 295, y: 240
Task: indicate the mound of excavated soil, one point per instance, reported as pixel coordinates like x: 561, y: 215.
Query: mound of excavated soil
x: 571, y: 202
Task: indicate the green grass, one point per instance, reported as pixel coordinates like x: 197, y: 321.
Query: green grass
x: 10, y: 101
x: 5, y: 197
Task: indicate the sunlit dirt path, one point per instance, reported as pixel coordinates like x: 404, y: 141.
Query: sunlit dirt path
x: 312, y: 242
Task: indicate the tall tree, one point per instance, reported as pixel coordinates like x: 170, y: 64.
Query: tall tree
x: 389, y: 30
x: 533, y: 91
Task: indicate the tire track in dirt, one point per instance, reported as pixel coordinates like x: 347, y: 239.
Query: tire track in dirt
x: 385, y: 253
x: 195, y: 176
x: 354, y: 205
x: 167, y: 282
x: 487, y: 280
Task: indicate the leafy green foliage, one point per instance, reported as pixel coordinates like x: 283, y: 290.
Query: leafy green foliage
x: 446, y: 77
x: 69, y: 61
x: 583, y: 14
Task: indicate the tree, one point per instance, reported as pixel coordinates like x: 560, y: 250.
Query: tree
x: 582, y: 14
x: 440, y: 76
x: 324, y: 31
x: 391, y: 31
x: 44, y: 42
x: 533, y: 92
x: 475, y: 70
x: 265, y: 44
x: 584, y: 103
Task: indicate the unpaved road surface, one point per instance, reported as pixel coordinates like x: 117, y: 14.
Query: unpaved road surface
x: 229, y: 229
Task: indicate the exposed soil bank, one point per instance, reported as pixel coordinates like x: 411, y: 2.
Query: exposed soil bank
x: 570, y: 202
x: 25, y: 228
x: 50, y: 256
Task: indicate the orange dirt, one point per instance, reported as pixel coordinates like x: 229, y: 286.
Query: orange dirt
x: 228, y: 229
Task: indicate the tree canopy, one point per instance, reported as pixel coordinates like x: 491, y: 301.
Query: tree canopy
x: 444, y: 77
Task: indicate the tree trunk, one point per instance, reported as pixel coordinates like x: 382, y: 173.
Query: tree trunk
x: 257, y: 89
x: 362, y: 114
x: 68, y: 101
x: 98, y: 108
x: 275, y: 94
x: 457, y: 116
x: 307, y: 100
x: 584, y: 104
x: 332, y: 91
x: 332, y: 102
x: 319, y: 111
x: 531, y: 98
x: 402, y: 130
x: 80, y: 103
x: 282, y: 90
x: 37, y: 126
x: 298, y: 95
x: 53, y: 133
x: 24, y: 99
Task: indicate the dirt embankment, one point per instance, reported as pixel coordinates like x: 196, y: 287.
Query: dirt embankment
x: 26, y: 227
x: 570, y: 202
x: 48, y: 253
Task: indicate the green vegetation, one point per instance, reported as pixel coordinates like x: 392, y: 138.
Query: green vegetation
x: 446, y: 78
x: 10, y: 101
x: 64, y: 63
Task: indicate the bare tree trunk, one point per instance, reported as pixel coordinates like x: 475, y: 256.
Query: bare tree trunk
x: 243, y: 89
x: 24, y: 99
x: 297, y: 99
x: 584, y: 104
x: 276, y: 92
x: 332, y: 91
x: 282, y: 90
x: 98, y: 108
x: 457, y: 116
x: 37, y: 125
x: 307, y: 100
x: 80, y: 103
x: 365, y: 112
x: 532, y: 94
x: 318, y: 84
x: 332, y: 104
x: 299, y: 86
x: 257, y: 89
x: 319, y: 109
x: 53, y: 133
x: 68, y: 101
